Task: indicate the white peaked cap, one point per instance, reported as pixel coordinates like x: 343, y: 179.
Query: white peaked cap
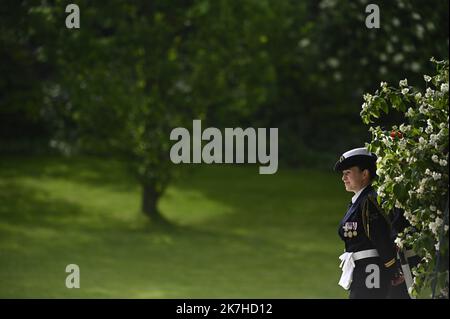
x: 357, y: 151
x: 355, y: 157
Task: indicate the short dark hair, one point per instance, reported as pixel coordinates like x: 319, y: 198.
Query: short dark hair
x: 371, y: 167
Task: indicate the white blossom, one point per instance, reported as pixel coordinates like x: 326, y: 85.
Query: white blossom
x: 387, y: 178
x: 387, y: 142
x: 337, y: 76
x: 407, y: 214
x: 405, y: 91
x: 443, y: 162
x: 401, y: 146
x: 399, y: 242
x: 410, y: 289
x: 410, y: 48
x: 304, y: 42
x: 436, y: 176
x: 333, y: 62
x: 415, y: 66
x: 398, y: 58
x: 398, y: 204
x: 422, y: 109
x: 420, y: 190
x: 403, y: 83
x: 427, y: 78
x: 424, y: 180
x: 325, y: 4
x: 368, y: 97
x: 410, y: 112
x: 416, y: 16
x: 433, y: 208
x: 433, y: 139
x: 396, y: 22
x: 435, y: 158
x: 434, y: 226
x: 405, y: 128
x: 444, y: 87
x: 436, y: 246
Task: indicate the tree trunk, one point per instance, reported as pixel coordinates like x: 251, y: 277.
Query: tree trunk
x: 150, y: 198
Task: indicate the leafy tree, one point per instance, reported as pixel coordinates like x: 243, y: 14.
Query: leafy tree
x: 118, y: 86
x: 341, y: 58
x: 413, y: 170
x: 134, y: 70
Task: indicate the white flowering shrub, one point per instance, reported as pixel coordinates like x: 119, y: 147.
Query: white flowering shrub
x: 412, y: 169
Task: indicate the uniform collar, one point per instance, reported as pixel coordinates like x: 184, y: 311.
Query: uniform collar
x: 355, y: 197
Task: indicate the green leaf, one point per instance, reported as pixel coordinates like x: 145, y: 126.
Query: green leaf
x: 375, y: 113
x: 380, y: 104
x: 397, y: 102
x: 384, y: 106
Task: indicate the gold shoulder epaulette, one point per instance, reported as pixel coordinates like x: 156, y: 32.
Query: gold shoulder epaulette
x: 389, y: 263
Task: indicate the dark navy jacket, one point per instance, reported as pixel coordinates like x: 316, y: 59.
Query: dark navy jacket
x: 363, y: 227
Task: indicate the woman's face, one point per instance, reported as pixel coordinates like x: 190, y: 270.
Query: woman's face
x: 354, y: 179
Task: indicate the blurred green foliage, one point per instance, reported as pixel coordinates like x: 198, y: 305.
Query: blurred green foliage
x: 136, y: 69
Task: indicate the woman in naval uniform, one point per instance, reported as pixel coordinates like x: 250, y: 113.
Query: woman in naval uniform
x: 369, y: 264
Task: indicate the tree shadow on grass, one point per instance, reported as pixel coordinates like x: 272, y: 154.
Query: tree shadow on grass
x: 256, y: 201
x: 202, y: 253
x: 93, y: 171
x: 27, y: 206
x: 287, y: 199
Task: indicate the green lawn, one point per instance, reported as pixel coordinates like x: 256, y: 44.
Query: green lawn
x: 236, y: 234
